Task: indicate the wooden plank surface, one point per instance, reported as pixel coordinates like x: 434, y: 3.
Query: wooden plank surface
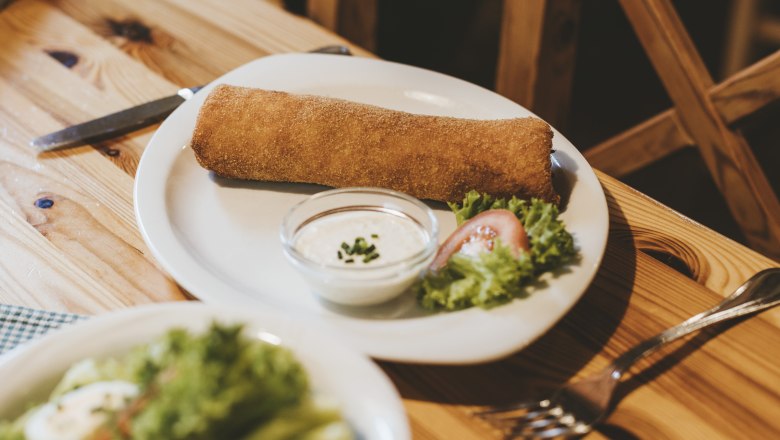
x: 68, y: 239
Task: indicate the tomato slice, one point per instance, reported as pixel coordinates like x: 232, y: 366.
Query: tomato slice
x: 479, y: 234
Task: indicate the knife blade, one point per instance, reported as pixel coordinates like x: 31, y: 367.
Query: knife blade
x: 115, y: 124
x: 133, y: 118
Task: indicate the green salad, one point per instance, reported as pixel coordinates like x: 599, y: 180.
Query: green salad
x: 502, y: 272
x: 219, y: 384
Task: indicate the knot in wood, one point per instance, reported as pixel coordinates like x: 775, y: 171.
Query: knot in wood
x: 67, y: 59
x: 44, y: 203
x: 133, y: 30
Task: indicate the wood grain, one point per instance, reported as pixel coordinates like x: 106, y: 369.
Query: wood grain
x: 639, y: 146
x: 103, y: 87
x: 324, y: 13
x: 39, y: 275
x: 206, y: 54
x: 68, y: 239
x: 521, y: 40
x: 749, y: 90
x: 91, y: 219
x: 727, y: 155
x: 267, y: 27
x: 714, y: 261
x: 536, y: 56
x: 631, y: 300
x: 736, y: 98
x: 358, y: 22
x: 740, y: 32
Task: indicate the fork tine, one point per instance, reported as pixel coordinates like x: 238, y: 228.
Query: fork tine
x: 529, y: 405
x: 558, y: 431
x: 568, y: 430
x: 542, y: 413
x: 510, y: 419
x: 543, y: 423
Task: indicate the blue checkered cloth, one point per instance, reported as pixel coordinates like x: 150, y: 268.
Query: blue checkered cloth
x: 20, y: 324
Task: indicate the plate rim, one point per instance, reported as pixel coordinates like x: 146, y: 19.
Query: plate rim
x: 396, y: 354
x: 168, y: 312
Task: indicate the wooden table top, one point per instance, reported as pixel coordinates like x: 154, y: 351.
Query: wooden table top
x: 66, y: 61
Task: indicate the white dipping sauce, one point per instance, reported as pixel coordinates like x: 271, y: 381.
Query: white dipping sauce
x: 396, y: 237
x: 78, y: 413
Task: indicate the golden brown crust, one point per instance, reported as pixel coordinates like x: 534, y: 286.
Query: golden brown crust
x: 276, y: 136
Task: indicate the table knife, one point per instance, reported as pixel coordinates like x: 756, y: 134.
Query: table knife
x: 133, y: 118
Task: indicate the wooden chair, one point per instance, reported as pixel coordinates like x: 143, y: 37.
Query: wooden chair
x: 748, y: 27
x: 703, y: 116
x: 529, y: 28
x: 535, y: 69
x: 354, y: 20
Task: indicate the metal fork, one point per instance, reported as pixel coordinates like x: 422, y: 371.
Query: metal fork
x: 573, y: 409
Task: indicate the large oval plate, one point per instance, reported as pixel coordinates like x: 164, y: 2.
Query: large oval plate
x: 219, y: 239
x: 366, y: 396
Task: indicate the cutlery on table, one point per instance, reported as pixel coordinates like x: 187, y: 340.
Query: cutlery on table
x: 575, y: 408
x: 133, y: 118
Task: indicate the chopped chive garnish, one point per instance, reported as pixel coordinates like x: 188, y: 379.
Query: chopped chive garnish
x: 359, y: 247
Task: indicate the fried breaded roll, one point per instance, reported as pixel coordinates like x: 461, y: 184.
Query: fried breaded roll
x: 256, y: 134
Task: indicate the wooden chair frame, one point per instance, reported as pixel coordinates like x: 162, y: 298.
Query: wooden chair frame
x: 535, y: 69
x: 703, y: 116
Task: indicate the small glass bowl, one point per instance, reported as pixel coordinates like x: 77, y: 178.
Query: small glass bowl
x: 360, y: 284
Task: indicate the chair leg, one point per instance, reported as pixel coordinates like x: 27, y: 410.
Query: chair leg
x: 536, y: 55
x: 355, y: 20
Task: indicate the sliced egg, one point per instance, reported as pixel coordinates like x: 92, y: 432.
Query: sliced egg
x: 79, y: 413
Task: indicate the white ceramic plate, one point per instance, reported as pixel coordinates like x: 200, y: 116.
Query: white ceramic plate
x: 219, y: 238
x: 368, y: 399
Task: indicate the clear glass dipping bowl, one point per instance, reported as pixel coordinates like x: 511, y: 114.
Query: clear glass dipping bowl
x: 361, y: 284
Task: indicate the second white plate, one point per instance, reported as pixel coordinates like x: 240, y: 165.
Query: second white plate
x: 366, y: 397
x: 219, y: 238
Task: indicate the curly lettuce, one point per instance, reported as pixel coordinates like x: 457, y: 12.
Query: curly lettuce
x: 485, y: 280
x: 493, y: 278
x: 219, y: 384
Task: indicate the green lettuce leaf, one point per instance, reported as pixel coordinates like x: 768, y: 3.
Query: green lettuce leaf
x: 475, y: 203
x: 215, y: 385
x: 219, y: 384
x: 551, y: 244
x: 496, y: 277
x: 12, y: 430
x: 485, y: 280
x: 313, y: 419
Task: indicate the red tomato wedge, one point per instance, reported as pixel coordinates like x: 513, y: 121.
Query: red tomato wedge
x: 479, y: 234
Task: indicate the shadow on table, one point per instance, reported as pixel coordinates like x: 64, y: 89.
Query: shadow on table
x: 664, y: 360
x: 552, y: 359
